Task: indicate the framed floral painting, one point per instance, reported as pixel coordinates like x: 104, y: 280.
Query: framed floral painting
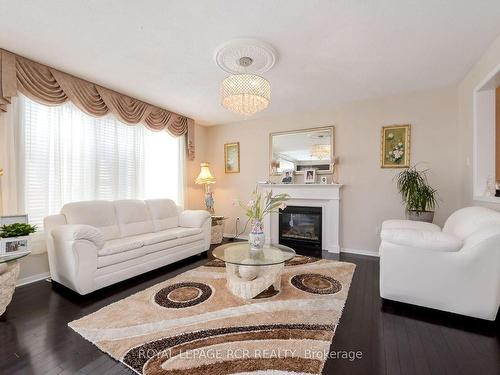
x: 232, y: 157
x: 395, y: 147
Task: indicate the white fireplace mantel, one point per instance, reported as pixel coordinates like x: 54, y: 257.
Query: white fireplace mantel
x: 326, y: 196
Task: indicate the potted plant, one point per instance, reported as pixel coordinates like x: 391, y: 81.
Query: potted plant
x: 258, y: 207
x: 419, y: 197
x: 15, y: 237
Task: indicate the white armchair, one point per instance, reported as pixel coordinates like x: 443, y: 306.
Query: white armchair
x: 456, y: 269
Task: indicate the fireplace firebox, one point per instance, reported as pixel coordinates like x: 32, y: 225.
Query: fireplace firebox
x: 301, y: 227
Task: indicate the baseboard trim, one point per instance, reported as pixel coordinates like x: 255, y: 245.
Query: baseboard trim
x: 370, y: 253
x: 240, y: 237
x: 32, y: 279
x: 359, y: 252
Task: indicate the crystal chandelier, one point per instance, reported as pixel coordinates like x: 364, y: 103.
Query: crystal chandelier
x: 320, y: 151
x: 245, y: 93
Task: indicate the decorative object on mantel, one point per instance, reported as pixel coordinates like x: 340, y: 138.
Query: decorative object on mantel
x: 335, y: 170
x: 205, y: 177
x: 323, y: 180
x: 256, y: 209
x: 49, y: 86
x: 232, y: 157
x: 310, y: 176
x: 245, y: 92
x: 419, y: 197
x: 287, y: 176
x: 395, y: 146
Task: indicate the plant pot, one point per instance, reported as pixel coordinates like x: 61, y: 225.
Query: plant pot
x: 426, y: 216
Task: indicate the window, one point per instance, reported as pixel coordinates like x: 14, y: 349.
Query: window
x: 69, y: 156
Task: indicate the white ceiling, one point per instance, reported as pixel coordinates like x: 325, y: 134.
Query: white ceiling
x: 330, y: 51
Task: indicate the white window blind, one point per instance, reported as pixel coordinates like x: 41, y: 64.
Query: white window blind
x: 69, y: 156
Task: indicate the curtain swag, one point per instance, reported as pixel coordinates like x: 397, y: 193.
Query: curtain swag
x: 49, y: 86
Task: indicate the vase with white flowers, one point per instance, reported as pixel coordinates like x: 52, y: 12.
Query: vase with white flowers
x: 256, y: 209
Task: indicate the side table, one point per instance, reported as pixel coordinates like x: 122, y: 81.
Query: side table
x: 9, y: 271
x: 217, y: 229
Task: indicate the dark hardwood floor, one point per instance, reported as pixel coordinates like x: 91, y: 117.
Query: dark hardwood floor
x: 391, y: 338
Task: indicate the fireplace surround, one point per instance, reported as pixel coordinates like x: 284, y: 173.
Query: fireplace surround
x: 325, y: 196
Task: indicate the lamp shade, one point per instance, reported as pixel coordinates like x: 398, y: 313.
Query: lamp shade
x: 205, y: 176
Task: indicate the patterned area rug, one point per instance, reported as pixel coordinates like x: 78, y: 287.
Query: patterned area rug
x: 192, y: 324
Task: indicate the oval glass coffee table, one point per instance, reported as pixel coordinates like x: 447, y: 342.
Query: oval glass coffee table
x: 250, y: 272
x: 9, y: 271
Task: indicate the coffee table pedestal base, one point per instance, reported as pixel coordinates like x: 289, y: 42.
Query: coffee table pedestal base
x: 249, y: 281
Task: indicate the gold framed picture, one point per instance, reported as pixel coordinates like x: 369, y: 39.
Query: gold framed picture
x: 232, y: 157
x: 395, y: 146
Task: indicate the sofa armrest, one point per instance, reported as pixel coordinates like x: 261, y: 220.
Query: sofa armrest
x: 410, y: 224
x: 79, y: 232
x: 193, y: 218
x: 422, y: 239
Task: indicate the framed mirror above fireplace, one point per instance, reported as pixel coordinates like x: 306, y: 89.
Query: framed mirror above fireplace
x: 303, y: 149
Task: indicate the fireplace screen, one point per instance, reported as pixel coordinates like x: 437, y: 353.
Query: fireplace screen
x: 300, y: 227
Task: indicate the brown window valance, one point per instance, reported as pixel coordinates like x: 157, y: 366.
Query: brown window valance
x: 49, y: 86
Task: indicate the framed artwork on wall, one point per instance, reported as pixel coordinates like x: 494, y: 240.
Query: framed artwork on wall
x: 395, y: 146
x: 232, y: 157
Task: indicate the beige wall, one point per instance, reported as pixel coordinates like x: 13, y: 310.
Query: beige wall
x: 497, y: 134
x: 486, y: 64
x: 194, y: 199
x: 369, y: 195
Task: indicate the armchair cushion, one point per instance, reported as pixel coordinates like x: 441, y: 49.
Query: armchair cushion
x: 74, y: 232
x: 409, y: 224
x: 193, y: 218
x: 423, y: 239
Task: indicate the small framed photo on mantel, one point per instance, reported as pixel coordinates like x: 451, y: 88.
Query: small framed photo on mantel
x: 310, y: 176
x: 287, y: 176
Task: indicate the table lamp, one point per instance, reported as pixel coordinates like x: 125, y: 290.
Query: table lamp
x: 205, y: 177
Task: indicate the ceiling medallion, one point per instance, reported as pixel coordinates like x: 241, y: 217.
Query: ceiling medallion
x: 244, y: 91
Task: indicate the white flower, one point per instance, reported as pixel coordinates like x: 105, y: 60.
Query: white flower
x: 400, y: 144
x: 250, y: 203
x: 390, y: 136
x: 282, y: 206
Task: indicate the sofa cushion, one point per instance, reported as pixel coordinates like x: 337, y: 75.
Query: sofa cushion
x: 133, y: 217
x: 104, y: 260
x: 409, y: 224
x: 186, y: 232
x: 157, y: 237
x: 164, y: 213
x: 422, y: 239
x: 99, y: 214
x: 121, y: 245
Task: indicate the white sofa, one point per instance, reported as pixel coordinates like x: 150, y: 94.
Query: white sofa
x: 456, y: 269
x: 98, y: 243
